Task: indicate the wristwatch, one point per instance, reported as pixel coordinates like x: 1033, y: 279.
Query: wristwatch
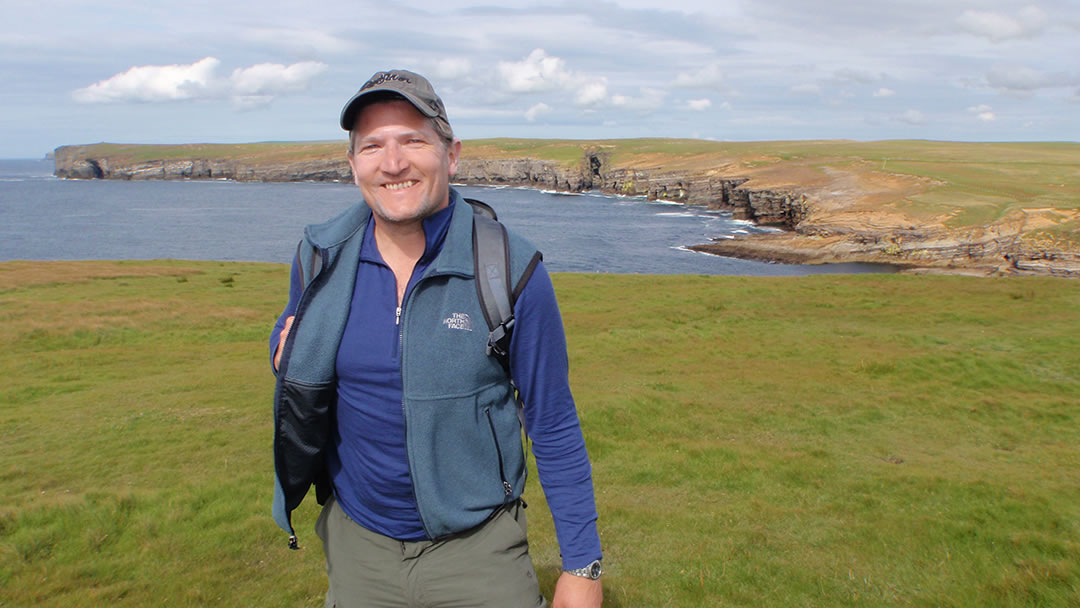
x: 592, y: 571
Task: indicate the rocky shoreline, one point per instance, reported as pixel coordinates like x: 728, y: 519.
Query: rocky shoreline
x: 825, y: 217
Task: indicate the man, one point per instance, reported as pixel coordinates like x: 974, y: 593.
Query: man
x: 387, y: 401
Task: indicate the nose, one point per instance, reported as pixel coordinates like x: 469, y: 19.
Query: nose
x: 393, y: 159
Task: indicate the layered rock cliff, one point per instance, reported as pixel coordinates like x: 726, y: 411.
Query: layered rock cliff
x: 81, y: 162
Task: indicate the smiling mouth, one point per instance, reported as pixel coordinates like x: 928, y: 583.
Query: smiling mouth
x: 399, y: 185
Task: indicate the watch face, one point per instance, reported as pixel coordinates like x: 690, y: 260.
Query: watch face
x: 594, y: 570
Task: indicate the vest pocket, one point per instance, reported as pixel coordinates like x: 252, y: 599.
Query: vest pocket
x: 302, y: 429
x: 462, y: 457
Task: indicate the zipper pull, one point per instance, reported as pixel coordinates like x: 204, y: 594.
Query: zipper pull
x: 507, y: 488
x: 397, y: 317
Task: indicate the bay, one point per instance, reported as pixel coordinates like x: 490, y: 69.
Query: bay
x: 45, y: 218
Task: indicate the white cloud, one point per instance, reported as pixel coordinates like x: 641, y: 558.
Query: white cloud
x: 543, y: 73
x: 913, y: 117
x: 592, y: 93
x: 806, y: 89
x: 452, y: 68
x: 259, y: 84
x: 247, y: 87
x: 153, y: 83
x: 532, y: 113
x: 1028, y: 23
x: 708, y: 77
x: 274, y: 78
x: 884, y: 92
x: 698, y: 105
x: 983, y: 112
x: 649, y: 100
x: 537, y: 73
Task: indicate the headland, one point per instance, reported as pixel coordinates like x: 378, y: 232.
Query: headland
x: 970, y: 208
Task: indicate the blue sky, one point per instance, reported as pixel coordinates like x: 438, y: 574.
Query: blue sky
x: 240, y: 71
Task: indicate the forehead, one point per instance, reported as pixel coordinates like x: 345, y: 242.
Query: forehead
x: 389, y: 113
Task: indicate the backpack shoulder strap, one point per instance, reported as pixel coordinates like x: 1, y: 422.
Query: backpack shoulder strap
x: 491, y: 260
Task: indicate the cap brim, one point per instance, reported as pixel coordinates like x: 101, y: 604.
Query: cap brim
x: 348, y: 113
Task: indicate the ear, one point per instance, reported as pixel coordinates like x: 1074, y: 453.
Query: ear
x: 351, y: 157
x: 454, y: 151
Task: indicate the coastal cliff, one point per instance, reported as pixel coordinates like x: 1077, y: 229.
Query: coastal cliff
x: 843, y: 212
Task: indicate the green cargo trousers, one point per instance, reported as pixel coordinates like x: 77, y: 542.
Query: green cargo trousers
x: 485, y: 567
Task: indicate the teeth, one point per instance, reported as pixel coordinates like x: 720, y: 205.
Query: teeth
x: 399, y: 185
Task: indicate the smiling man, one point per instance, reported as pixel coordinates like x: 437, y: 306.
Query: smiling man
x: 386, y: 398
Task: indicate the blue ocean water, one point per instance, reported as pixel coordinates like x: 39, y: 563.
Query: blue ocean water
x: 45, y: 218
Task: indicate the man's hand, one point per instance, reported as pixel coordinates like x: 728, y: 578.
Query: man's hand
x: 577, y: 592
x: 281, y: 341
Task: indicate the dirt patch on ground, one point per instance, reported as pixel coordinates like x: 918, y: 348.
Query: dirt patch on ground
x: 27, y: 273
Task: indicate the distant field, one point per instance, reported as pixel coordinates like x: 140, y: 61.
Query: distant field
x: 860, y: 440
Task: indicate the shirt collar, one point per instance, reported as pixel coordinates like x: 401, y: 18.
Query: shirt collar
x: 435, y: 228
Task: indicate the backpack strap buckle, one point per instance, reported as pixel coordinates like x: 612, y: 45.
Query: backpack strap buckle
x: 498, y: 344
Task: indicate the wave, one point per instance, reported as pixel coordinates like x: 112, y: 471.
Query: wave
x: 688, y: 250
x: 561, y: 193
x: 27, y: 178
x: 676, y: 214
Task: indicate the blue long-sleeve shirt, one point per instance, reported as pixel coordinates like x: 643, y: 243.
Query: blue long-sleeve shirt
x: 369, y: 466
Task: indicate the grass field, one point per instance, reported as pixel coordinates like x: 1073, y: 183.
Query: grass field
x: 863, y: 440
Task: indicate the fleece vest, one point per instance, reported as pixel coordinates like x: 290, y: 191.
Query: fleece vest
x: 463, y: 436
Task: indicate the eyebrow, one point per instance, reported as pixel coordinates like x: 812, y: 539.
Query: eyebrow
x: 402, y: 135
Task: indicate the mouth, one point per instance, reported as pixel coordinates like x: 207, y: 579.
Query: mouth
x: 399, y: 185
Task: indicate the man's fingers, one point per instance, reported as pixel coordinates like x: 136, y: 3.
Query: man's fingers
x: 281, y: 341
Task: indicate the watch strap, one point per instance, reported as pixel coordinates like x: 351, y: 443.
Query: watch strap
x: 591, y: 571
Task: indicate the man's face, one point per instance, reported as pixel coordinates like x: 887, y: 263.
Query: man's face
x: 400, y: 163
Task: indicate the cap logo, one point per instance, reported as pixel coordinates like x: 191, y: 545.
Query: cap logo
x: 382, y: 77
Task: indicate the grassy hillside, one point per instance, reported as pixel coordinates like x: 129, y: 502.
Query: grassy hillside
x: 862, y: 440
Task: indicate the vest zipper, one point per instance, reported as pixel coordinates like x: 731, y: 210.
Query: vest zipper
x: 404, y: 412
x: 286, y: 357
x: 507, y: 488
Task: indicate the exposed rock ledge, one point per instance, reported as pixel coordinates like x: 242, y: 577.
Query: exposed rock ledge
x: 825, y: 217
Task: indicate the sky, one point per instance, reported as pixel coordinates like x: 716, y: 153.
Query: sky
x: 76, y: 72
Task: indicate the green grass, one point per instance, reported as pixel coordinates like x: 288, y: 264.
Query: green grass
x: 254, y: 153
x: 868, y: 440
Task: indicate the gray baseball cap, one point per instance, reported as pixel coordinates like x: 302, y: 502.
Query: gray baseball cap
x: 411, y: 86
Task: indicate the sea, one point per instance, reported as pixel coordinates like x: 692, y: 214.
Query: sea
x: 46, y: 218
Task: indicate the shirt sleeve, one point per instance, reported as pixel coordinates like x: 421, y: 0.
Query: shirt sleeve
x: 295, y: 289
x: 539, y: 365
